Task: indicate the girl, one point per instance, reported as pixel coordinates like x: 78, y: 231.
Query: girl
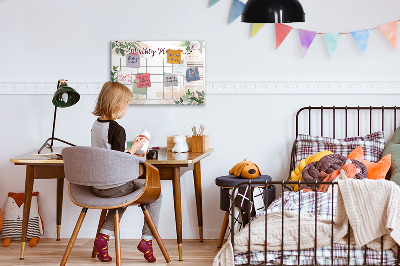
x: 112, y: 103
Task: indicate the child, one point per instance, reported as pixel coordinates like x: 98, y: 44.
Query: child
x: 112, y: 103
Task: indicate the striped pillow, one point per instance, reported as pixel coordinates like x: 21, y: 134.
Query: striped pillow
x: 372, y: 145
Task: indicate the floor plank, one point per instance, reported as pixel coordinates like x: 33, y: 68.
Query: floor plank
x: 49, y: 252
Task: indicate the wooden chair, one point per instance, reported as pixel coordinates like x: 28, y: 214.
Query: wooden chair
x: 85, y: 167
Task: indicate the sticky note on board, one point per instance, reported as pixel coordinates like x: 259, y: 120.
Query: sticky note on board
x: 179, y: 69
x: 192, y: 74
x: 144, y: 80
x: 137, y: 90
x: 125, y: 77
x: 174, y: 56
x: 133, y: 60
x: 170, y: 80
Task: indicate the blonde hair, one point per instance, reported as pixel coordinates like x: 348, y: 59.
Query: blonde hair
x: 112, y: 99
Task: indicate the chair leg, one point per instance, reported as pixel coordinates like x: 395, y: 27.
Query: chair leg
x: 101, y: 222
x: 154, y: 230
x: 223, y: 229
x: 73, y: 237
x: 117, y: 239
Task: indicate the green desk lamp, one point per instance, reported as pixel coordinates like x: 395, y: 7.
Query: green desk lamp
x: 65, y: 96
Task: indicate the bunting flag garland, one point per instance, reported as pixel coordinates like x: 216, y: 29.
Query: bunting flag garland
x: 281, y: 31
x: 237, y: 9
x: 256, y: 27
x: 306, y: 39
x: 332, y: 41
x: 389, y: 30
x: 213, y: 2
x: 361, y: 37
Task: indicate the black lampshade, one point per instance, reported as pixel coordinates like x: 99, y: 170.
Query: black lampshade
x: 65, y: 96
x: 273, y: 11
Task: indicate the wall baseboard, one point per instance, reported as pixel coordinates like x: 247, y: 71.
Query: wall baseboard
x: 131, y: 233
x: 231, y: 87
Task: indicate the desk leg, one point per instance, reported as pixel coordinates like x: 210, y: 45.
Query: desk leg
x: 27, y: 206
x: 176, y: 182
x: 199, y: 204
x: 60, y: 190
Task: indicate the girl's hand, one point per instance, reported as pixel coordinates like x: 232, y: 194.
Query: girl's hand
x: 143, y: 155
x: 137, y: 144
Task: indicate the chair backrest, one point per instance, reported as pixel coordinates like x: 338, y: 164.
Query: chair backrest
x: 92, y: 166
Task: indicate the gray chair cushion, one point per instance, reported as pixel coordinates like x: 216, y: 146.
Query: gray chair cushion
x: 84, y: 196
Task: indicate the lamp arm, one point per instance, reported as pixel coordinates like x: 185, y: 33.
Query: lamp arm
x: 54, y: 126
x: 54, y: 118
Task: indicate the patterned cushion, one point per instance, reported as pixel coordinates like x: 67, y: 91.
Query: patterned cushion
x: 372, y: 144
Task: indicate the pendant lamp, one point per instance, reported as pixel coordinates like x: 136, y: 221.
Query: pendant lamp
x: 273, y: 11
x: 64, y: 96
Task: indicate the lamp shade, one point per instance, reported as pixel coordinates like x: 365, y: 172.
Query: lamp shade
x: 65, y: 96
x: 273, y: 11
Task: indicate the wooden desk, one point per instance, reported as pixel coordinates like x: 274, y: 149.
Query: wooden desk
x: 171, y: 167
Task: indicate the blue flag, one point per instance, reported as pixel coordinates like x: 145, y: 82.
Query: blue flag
x: 237, y: 9
x: 361, y: 38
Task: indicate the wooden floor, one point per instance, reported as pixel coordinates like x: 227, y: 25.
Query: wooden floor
x: 50, y: 252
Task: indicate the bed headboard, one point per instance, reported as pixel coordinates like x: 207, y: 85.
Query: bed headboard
x: 344, y: 121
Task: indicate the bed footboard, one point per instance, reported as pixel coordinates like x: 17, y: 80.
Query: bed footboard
x: 310, y: 254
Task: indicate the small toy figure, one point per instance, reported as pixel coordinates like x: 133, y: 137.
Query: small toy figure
x: 245, y: 169
x: 180, y: 144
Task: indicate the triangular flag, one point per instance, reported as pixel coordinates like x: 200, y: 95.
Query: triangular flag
x: 332, y: 41
x: 281, y: 31
x: 306, y: 39
x: 390, y: 32
x: 361, y: 37
x: 213, y: 2
x: 237, y: 9
x: 256, y: 27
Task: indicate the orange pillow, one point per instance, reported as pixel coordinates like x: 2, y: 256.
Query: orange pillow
x: 375, y: 170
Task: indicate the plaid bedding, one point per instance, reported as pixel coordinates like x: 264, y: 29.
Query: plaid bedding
x: 323, y: 207
x: 372, y: 145
x: 324, y: 257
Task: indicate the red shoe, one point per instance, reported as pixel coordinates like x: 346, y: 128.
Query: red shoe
x: 146, y: 247
x: 101, y: 245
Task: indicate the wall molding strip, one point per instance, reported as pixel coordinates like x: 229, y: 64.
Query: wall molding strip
x: 231, y: 87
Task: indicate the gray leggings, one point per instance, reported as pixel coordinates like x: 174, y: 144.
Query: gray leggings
x: 154, y: 208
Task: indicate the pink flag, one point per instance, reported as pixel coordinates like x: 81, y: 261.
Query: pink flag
x: 281, y: 31
x: 306, y: 39
x: 389, y: 30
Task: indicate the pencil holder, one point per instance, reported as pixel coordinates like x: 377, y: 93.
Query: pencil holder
x: 200, y: 143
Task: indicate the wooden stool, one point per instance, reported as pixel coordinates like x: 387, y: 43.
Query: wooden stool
x: 226, y: 183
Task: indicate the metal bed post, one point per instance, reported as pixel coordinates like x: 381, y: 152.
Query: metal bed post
x: 315, y: 223
x: 298, y: 240
x: 283, y: 210
x: 266, y: 221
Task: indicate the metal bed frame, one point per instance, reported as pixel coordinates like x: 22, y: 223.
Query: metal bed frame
x: 283, y: 184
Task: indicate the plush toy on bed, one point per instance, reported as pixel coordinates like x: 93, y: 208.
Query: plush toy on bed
x: 296, y: 174
x: 245, y: 169
x: 13, y: 215
x: 317, y: 171
x: 348, y: 170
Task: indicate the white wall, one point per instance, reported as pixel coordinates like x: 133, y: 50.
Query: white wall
x: 42, y: 41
